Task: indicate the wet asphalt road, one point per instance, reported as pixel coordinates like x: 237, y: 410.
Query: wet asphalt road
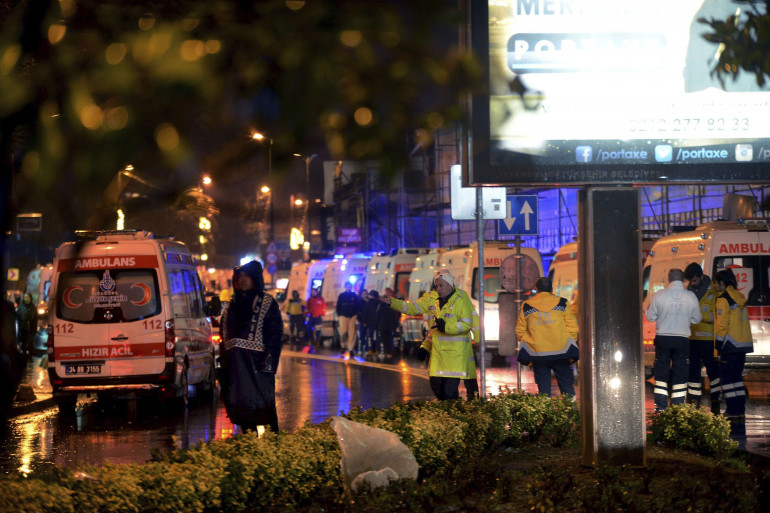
x: 309, y: 389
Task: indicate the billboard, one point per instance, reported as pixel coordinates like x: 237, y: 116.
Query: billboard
x: 611, y: 91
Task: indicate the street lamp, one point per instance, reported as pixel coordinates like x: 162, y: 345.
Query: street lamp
x: 256, y: 136
x: 308, y: 159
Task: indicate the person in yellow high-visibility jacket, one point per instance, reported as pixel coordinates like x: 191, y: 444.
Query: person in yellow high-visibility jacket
x: 449, y: 342
x: 548, y: 333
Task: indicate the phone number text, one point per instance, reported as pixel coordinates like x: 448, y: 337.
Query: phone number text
x: 655, y: 125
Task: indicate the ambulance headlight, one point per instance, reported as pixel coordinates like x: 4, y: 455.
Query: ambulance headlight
x: 491, y: 325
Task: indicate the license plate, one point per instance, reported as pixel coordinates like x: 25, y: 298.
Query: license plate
x: 71, y: 370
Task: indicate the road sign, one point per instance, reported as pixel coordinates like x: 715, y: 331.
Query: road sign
x: 13, y: 274
x: 272, y: 258
x: 522, y: 216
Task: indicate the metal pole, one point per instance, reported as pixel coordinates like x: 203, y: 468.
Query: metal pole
x: 482, y: 342
x: 518, y: 305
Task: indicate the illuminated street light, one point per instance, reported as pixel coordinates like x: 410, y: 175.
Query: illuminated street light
x: 308, y: 159
x: 257, y: 136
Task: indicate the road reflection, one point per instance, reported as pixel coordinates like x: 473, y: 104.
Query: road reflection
x: 308, y: 390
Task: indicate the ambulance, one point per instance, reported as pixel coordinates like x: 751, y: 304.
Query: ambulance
x: 462, y: 263
x: 392, y: 270
x: 39, y: 285
x: 563, y: 270
x: 350, y: 269
x: 743, y: 247
x: 127, y: 315
x: 303, y: 278
x: 420, y: 281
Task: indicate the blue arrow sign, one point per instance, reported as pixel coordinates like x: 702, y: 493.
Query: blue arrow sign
x: 522, y: 216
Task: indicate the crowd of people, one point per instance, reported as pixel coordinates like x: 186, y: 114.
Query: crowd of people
x: 702, y: 325
x: 365, y: 326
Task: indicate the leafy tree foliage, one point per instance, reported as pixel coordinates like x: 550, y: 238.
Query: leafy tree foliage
x: 745, y: 42
x: 177, y: 87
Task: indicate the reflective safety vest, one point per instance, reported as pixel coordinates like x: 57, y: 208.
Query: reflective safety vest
x: 704, y: 330
x: 731, y: 325
x: 451, y: 355
x: 546, y: 329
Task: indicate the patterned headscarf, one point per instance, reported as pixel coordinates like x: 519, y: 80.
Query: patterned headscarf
x: 445, y: 275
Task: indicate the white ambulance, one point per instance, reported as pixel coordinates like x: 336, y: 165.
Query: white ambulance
x: 463, y: 264
x: 127, y: 314
x: 744, y: 247
x: 303, y: 278
x: 39, y: 285
x: 563, y: 272
x: 350, y: 269
x: 392, y: 270
x: 420, y: 281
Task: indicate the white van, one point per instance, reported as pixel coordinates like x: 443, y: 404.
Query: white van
x: 303, y: 278
x: 563, y: 270
x: 127, y: 314
x: 350, y: 269
x: 743, y: 247
x: 463, y: 263
x: 392, y: 270
x: 39, y: 285
x: 420, y: 281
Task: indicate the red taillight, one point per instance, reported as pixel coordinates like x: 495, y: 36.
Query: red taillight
x: 49, y: 345
x: 170, y: 339
x: 216, y: 339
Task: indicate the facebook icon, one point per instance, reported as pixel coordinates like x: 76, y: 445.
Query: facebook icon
x: 584, y: 154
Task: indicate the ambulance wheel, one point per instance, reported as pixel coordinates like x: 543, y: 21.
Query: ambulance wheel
x: 184, y: 385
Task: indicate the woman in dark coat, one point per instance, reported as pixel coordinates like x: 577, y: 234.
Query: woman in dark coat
x: 252, y: 334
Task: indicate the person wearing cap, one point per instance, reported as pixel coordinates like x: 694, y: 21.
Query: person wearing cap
x: 252, y: 332
x: 548, y: 332
x: 702, y: 338
x: 449, y: 341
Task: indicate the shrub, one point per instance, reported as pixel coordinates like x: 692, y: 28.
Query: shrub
x: 692, y: 429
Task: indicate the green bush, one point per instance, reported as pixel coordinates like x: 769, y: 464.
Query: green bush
x: 450, y: 440
x: 692, y: 429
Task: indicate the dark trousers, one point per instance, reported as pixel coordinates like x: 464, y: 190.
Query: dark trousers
x: 386, y: 341
x: 671, y: 354
x: 445, y: 388
x: 297, y: 326
x: 731, y: 373
x: 471, y: 388
x: 702, y: 354
x: 314, y: 329
x: 561, y: 369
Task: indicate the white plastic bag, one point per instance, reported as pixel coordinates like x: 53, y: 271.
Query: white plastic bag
x: 372, y: 455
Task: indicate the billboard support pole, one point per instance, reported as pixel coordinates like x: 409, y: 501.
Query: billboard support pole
x: 482, y: 343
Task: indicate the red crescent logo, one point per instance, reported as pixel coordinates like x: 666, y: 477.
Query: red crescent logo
x: 66, y: 296
x: 146, y: 294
